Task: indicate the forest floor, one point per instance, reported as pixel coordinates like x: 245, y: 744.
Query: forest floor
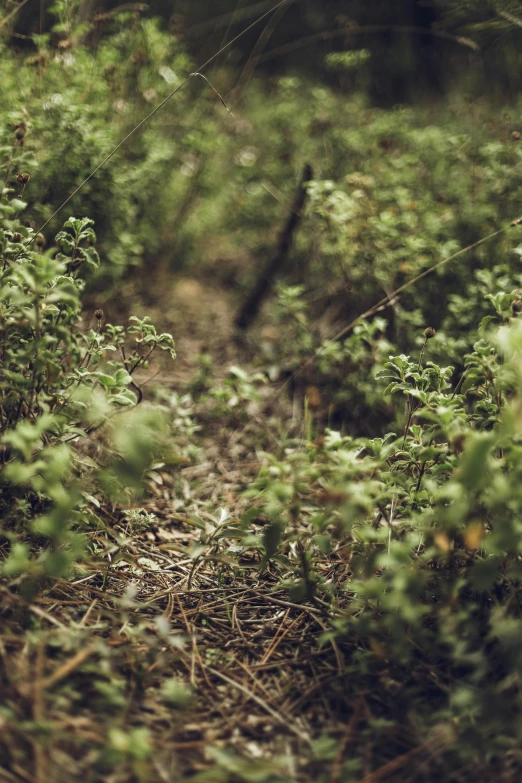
x: 165, y: 666
x: 180, y: 659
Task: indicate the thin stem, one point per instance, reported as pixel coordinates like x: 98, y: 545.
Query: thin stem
x: 421, y: 357
x: 411, y: 407
x: 422, y: 470
x: 36, y: 354
x: 10, y: 166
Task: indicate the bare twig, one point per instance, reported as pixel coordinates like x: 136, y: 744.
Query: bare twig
x: 69, y: 666
x: 45, y: 616
x: 9, y: 16
x: 294, y: 729
x: 265, y: 280
x: 506, y: 15
x: 337, y: 765
x: 40, y: 755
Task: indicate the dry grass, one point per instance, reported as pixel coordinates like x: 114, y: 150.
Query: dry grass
x: 261, y: 684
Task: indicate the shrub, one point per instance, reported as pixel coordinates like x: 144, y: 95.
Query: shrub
x: 63, y: 382
x: 412, y: 542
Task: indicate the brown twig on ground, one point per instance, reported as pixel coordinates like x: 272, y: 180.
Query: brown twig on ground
x: 68, y: 667
x: 40, y: 755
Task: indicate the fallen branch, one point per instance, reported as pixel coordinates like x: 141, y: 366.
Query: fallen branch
x: 261, y: 289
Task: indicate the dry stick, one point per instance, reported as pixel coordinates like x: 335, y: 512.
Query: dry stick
x: 195, y: 651
x: 69, y: 666
x: 410, y: 403
x: 254, y: 679
x: 8, y: 777
x: 276, y: 635
x: 278, y: 639
x: 88, y: 612
x: 388, y: 299
x: 45, y: 616
x: 317, y: 618
x: 510, y: 17
x: 335, y: 647
x: 264, y: 282
x: 278, y: 602
x: 301, y: 734
x: 12, y: 13
x: 157, y: 108
x: 40, y: 756
x: 23, y: 774
x: 395, y: 764
x: 410, y: 409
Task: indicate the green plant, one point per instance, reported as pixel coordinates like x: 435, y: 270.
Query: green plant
x: 411, y: 541
x: 58, y: 387
x: 236, y: 394
x: 139, y: 520
x: 391, y: 519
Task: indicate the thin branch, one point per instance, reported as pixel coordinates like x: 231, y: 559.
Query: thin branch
x: 284, y: 722
x: 13, y: 13
x: 514, y: 19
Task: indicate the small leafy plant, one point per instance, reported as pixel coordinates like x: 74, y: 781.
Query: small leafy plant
x: 61, y: 382
x: 411, y: 541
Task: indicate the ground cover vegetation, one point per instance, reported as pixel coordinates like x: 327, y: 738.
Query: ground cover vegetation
x: 289, y: 554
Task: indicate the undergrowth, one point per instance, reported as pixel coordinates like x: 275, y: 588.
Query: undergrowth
x: 200, y: 583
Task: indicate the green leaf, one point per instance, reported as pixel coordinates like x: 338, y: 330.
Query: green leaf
x: 473, y: 465
x: 271, y: 538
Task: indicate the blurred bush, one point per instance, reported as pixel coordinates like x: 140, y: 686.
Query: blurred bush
x: 63, y: 384
x: 412, y: 541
